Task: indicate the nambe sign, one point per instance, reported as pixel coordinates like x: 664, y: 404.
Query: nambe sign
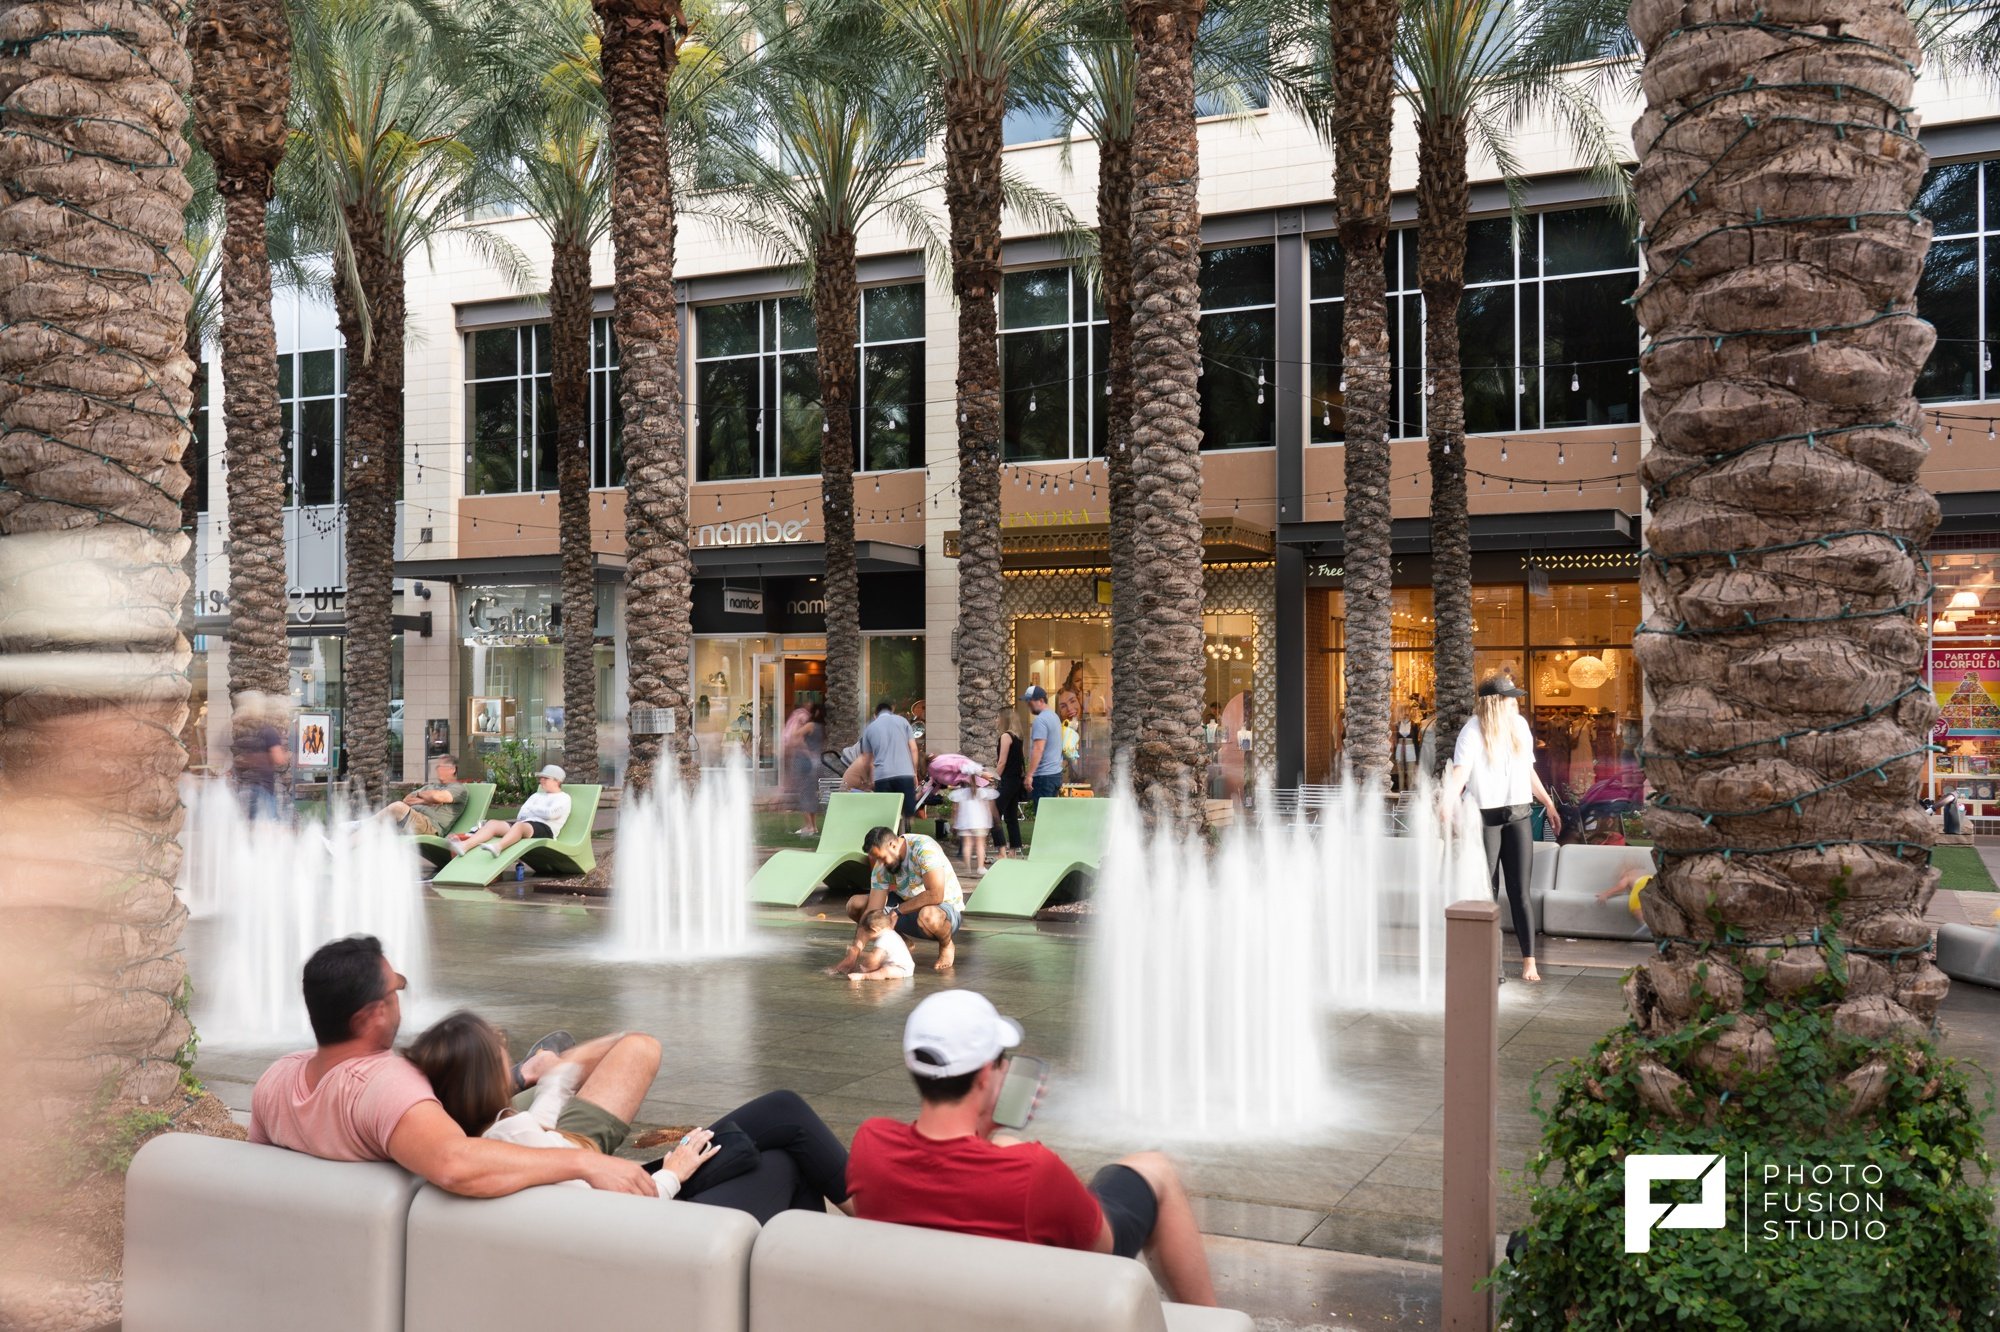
x: 738, y: 601
x: 750, y: 532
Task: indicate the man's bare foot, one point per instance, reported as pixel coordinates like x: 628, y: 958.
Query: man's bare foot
x: 947, y: 955
x: 1531, y: 973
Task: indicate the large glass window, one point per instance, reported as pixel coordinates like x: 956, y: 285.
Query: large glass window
x: 1959, y: 292
x: 312, y: 411
x: 1547, y: 338
x: 1054, y: 354
x: 1239, y: 347
x: 510, y: 410
x: 1327, y: 333
x: 757, y: 411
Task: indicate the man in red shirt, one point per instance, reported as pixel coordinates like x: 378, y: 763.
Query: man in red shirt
x: 954, y: 1169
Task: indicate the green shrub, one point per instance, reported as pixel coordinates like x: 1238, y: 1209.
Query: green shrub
x: 513, y: 766
x: 1934, y: 1269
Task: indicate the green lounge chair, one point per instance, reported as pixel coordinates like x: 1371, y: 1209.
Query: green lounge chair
x: 1069, y: 837
x: 478, y: 799
x: 790, y: 877
x: 568, y: 854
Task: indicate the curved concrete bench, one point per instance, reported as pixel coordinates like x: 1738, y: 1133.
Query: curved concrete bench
x: 1570, y: 908
x: 805, y: 1270
x: 1969, y: 953
x: 222, y: 1234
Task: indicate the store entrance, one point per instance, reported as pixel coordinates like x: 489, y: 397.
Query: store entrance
x: 780, y: 684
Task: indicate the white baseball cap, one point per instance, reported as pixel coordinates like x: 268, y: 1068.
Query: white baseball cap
x: 954, y: 1032
x: 553, y: 771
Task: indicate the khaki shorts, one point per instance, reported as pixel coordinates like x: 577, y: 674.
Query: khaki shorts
x: 418, y: 822
x: 590, y: 1124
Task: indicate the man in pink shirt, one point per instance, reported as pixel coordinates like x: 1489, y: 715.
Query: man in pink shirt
x: 355, y: 1099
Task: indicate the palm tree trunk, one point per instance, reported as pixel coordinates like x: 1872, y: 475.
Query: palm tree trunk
x: 1114, y: 251
x: 1443, y: 195
x: 371, y: 476
x: 259, y: 654
x: 974, y: 109
x: 1790, y: 717
x: 1364, y: 40
x: 836, y: 311
x: 638, y: 59
x: 569, y: 384
x: 243, y: 54
x: 94, y: 398
x: 1169, y: 767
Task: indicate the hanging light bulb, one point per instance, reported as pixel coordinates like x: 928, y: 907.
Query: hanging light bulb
x: 1503, y: 451
x: 718, y: 503
x: 1031, y: 400
x: 1430, y: 386
x: 1343, y: 381
x: 1559, y: 455
x: 1985, y: 358
x: 1260, y: 389
x: 1520, y: 382
x: 878, y: 485
x: 1614, y: 453
x: 1575, y: 384
x: 826, y: 427
x: 1326, y: 415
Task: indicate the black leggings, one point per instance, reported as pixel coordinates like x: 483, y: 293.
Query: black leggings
x: 1010, y: 815
x: 1510, y: 857
x: 800, y: 1163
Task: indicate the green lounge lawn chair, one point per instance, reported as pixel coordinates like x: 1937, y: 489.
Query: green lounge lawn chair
x: 1069, y: 837
x: 790, y: 877
x: 569, y: 853
x: 478, y: 799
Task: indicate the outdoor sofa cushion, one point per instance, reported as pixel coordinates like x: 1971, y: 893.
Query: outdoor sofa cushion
x: 1571, y: 910
x: 228, y: 1234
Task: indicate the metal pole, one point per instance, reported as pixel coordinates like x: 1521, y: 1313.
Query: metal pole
x: 1471, y: 1105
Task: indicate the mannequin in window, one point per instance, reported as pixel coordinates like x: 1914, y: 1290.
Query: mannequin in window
x: 1408, y: 737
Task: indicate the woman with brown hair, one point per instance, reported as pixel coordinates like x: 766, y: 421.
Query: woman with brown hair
x: 781, y: 1154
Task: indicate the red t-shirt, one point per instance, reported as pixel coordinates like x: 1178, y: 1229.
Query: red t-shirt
x: 968, y: 1185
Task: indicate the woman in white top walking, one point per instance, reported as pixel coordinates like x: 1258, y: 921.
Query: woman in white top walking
x: 1495, y: 758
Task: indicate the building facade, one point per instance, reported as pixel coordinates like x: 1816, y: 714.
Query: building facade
x: 1552, y: 411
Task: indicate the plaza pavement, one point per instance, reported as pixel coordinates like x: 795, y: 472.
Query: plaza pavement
x: 1338, y: 1229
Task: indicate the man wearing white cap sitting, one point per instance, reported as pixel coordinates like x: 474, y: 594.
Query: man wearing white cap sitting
x: 955, y: 1169
x: 541, y: 815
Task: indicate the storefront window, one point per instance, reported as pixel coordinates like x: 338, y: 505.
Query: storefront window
x: 511, y: 659
x: 1965, y: 676
x: 1239, y: 346
x: 894, y: 671
x: 744, y: 688
x: 1070, y: 658
x: 1054, y: 351
x: 1570, y: 648
x: 312, y: 407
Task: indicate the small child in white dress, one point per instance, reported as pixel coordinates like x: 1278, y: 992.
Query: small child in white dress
x: 878, y: 952
x: 972, y: 820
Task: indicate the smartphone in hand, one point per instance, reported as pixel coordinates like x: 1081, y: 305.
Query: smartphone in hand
x: 1019, y: 1090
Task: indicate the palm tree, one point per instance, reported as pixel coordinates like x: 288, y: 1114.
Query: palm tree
x: 94, y: 402
x: 848, y: 127
x: 639, y: 52
x: 242, y: 51
x: 1749, y: 582
x: 1169, y: 766
x: 1471, y: 70
x: 1236, y: 55
x: 968, y: 50
x: 201, y: 232
x: 544, y: 151
x: 1363, y: 35
x: 378, y: 167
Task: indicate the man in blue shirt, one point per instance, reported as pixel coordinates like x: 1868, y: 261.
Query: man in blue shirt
x: 1045, y: 760
x: 891, y: 747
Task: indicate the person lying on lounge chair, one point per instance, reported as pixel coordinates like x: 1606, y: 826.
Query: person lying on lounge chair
x: 541, y: 815
x: 431, y: 811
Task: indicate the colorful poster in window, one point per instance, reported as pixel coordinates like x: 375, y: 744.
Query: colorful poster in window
x: 1967, y: 684
x: 314, y: 730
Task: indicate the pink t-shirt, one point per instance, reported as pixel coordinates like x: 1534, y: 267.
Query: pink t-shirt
x: 349, y: 1116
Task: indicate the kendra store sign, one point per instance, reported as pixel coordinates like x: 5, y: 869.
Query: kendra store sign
x: 750, y: 532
